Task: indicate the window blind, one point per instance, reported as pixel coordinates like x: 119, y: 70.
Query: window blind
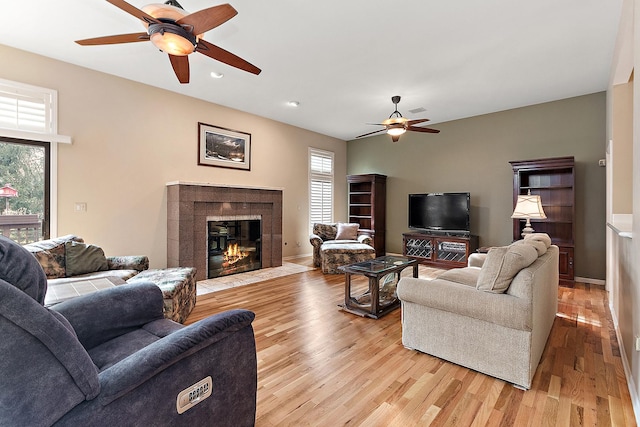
x: 320, y: 186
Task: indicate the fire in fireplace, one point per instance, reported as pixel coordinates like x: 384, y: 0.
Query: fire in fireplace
x: 233, y: 246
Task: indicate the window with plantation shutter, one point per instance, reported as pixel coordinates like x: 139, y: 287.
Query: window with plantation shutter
x: 320, y: 186
x: 26, y: 109
x: 28, y: 158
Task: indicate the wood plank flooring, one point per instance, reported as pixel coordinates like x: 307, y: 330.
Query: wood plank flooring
x: 319, y: 366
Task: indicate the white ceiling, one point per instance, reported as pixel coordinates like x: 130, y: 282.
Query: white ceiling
x: 344, y: 59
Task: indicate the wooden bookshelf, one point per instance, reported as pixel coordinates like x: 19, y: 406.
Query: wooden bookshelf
x: 367, y: 205
x: 553, y: 179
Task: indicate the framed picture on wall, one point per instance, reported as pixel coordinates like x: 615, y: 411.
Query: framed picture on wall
x: 225, y: 148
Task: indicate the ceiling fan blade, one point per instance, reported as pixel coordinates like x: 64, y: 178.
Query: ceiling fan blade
x: 180, y: 66
x: 132, y: 10
x: 207, y: 19
x: 119, y: 38
x: 371, y: 133
x: 416, y: 121
x: 219, y: 54
x: 419, y: 129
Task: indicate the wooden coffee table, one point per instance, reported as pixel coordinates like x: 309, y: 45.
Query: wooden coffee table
x: 377, y: 300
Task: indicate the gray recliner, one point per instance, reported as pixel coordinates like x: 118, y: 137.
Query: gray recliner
x: 111, y: 358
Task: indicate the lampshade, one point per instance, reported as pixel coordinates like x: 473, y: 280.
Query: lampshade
x: 396, y: 131
x: 528, y: 206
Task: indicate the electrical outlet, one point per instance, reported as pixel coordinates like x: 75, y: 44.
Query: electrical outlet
x: 81, y: 207
x: 637, y: 343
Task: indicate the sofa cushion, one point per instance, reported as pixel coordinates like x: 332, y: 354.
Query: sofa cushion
x: 82, y: 258
x: 347, y: 231
x: 325, y: 231
x: 502, y: 264
x: 51, y: 254
x: 51, y: 260
x: 465, y: 276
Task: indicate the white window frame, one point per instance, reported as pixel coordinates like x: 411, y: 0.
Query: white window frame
x: 48, y: 133
x: 323, y: 177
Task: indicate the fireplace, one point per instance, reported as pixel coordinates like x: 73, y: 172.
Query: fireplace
x: 190, y: 207
x: 234, y: 245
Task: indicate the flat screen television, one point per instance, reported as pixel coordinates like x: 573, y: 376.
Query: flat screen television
x: 440, y: 212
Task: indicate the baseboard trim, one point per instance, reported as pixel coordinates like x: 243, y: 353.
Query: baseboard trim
x: 292, y: 257
x: 635, y: 399
x: 598, y: 282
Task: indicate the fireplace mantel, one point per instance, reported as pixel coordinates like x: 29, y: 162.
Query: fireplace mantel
x: 188, y: 206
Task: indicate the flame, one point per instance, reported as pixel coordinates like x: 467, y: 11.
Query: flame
x: 234, y: 254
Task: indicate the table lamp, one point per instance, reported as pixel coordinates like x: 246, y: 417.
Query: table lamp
x: 528, y: 206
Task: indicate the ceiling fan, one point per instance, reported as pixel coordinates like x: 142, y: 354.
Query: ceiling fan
x: 396, y: 125
x: 174, y: 31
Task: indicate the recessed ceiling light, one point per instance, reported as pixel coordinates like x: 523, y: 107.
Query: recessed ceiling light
x: 293, y: 103
x: 216, y: 75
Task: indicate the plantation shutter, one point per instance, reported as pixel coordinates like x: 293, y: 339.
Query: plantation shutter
x: 25, y: 109
x: 320, y: 186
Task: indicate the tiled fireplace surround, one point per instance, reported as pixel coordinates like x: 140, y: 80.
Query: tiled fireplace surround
x: 190, y: 204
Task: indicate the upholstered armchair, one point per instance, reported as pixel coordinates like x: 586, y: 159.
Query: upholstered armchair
x: 339, y: 244
x: 111, y: 358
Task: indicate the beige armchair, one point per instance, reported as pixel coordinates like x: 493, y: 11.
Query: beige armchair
x: 339, y: 244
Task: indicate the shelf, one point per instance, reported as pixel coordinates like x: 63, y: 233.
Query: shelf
x: 547, y: 187
x: 360, y: 216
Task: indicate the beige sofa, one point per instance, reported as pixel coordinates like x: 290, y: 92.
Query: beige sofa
x: 493, y: 316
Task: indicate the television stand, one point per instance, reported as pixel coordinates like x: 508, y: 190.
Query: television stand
x: 438, y: 250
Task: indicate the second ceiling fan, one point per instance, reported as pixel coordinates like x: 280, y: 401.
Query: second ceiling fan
x: 177, y: 33
x: 396, y: 125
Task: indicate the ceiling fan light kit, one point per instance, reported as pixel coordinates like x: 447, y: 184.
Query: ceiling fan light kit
x: 172, y: 39
x: 397, y: 125
x: 178, y: 33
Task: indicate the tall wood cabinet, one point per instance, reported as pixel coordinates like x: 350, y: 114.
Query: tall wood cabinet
x: 367, y: 204
x: 553, y: 179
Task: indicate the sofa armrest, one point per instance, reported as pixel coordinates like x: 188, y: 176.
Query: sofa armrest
x: 366, y: 239
x: 476, y: 260
x: 502, y: 309
x: 146, y: 363
x: 315, y: 240
x: 128, y: 262
x: 109, y: 313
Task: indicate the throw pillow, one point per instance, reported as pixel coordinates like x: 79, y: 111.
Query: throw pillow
x: 83, y: 258
x: 539, y: 246
x: 347, y: 231
x: 502, y: 265
x: 540, y: 237
x: 51, y: 260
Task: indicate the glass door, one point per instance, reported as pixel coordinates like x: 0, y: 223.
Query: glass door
x: 24, y: 190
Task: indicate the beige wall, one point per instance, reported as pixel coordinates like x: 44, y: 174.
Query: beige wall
x: 130, y: 139
x: 623, y: 272
x: 622, y: 149
x: 473, y: 155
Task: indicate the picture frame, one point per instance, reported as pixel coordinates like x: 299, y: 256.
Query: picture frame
x: 224, y: 148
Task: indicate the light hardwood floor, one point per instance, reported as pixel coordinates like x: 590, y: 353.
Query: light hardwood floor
x: 319, y: 366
